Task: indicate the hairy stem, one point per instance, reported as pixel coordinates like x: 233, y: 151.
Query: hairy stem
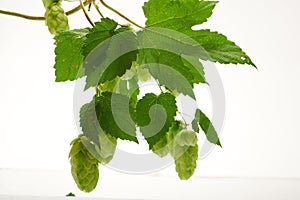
x: 120, y: 14
x: 38, y: 18
x: 86, y: 14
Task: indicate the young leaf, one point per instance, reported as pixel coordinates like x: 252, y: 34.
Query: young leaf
x: 103, y: 50
x: 68, y: 58
x: 84, y: 166
x: 207, y: 127
x: 113, y: 113
x: 155, y: 115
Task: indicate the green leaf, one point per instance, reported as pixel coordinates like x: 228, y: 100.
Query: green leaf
x: 161, y: 147
x: 172, y: 58
x: 171, y: 70
x: 84, y: 166
x: 143, y: 74
x: 181, y: 15
x: 195, y: 67
x: 99, y: 33
x: 101, y: 145
x: 165, y: 144
x: 103, y: 50
x: 68, y: 58
x: 219, y: 48
x: 177, y: 14
x: 89, y: 122
x: 203, y: 121
x: 113, y: 113
x: 103, y: 153
x: 70, y: 194
x: 155, y: 115
x: 129, y: 88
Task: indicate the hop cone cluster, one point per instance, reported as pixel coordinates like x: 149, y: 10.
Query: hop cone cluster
x: 84, y: 166
x: 56, y: 18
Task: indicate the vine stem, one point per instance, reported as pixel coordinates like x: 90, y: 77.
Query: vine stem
x: 181, y: 114
x: 161, y: 90
x: 86, y: 14
x: 39, y: 18
x: 21, y: 15
x: 98, y: 10
x: 120, y: 14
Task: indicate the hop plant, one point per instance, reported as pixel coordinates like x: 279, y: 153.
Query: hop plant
x: 116, y: 111
x: 56, y: 18
x: 84, y: 166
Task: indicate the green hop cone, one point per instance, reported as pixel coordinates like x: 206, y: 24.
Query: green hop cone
x: 184, y: 150
x: 187, y: 163
x: 84, y: 166
x: 56, y: 18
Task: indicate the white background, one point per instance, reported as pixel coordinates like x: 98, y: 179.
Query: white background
x: 261, y: 131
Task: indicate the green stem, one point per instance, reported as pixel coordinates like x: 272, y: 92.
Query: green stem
x: 97, y: 8
x: 74, y: 10
x: 86, y: 14
x: 161, y: 90
x: 21, y: 15
x: 38, y: 18
x: 181, y: 114
x: 120, y: 14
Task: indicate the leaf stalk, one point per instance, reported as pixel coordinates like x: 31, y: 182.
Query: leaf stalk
x: 121, y: 15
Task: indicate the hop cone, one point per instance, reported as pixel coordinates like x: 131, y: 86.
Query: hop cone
x: 84, y: 166
x: 187, y: 163
x: 184, y: 150
x: 56, y: 18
